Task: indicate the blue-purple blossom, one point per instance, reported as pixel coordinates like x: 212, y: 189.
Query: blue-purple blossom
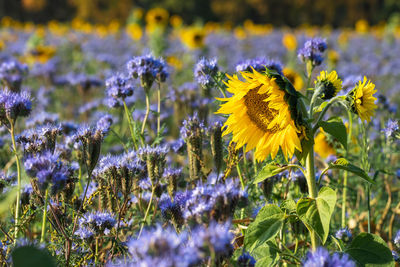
x: 322, y: 257
x: 246, y: 260
x: 40, y: 138
x: 148, y: 69
x: 118, y: 87
x: 312, y: 51
x: 343, y: 234
x: 396, y: 239
x: 12, y: 73
x: 98, y: 223
x: 13, y: 105
x: 192, y: 127
x: 205, y: 72
x: 392, y: 127
x: 396, y: 256
x: 259, y: 64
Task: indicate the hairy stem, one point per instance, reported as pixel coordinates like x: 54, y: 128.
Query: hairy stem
x: 147, y: 210
x: 147, y: 112
x: 46, y: 199
x: 17, y: 206
x: 130, y: 123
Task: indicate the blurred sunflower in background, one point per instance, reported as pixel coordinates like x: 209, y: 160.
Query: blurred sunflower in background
x: 134, y: 31
x: 329, y: 84
x: 362, y: 99
x: 259, y: 116
x: 294, y: 77
x: 157, y: 17
x: 323, y: 146
x: 193, y: 37
x: 289, y: 41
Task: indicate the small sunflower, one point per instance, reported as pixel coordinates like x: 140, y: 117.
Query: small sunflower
x: 260, y: 115
x: 157, y: 16
x: 363, y: 100
x: 294, y: 78
x: 193, y: 38
x: 322, y: 146
x: 329, y: 84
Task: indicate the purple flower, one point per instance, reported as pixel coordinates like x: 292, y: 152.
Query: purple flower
x: 259, y: 64
x: 204, y: 71
x: 13, y: 105
x: 312, y: 51
x: 392, y: 127
x: 39, y: 139
x: 118, y: 87
x: 99, y: 223
x: 148, y: 69
x: 343, y: 234
x: 396, y: 239
x: 12, y: 73
x: 192, y: 127
x: 321, y: 257
x: 246, y: 260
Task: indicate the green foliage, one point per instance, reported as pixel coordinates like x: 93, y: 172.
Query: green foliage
x: 271, y: 169
x: 31, y: 256
x: 265, y: 227
x: 370, y: 250
x: 316, y: 213
x: 343, y: 164
x: 335, y: 127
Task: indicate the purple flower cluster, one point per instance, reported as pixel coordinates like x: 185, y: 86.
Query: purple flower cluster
x: 39, y: 139
x: 259, y: 64
x: 163, y: 247
x: 148, y: 69
x: 392, y: 127
x: 118, y: 87
x: 192, y: 127
x: 396, y: 240
x: 343, y: 234
x: 12, y: 73
x: 322, y: 257
x: 204, y: 71
x: 312, y: 51
x: 95, y: 224
x: 204, y: 203
x: 13, y: 105
x: 246, y: 260
x: 47, y: 168
x: 40, y: 118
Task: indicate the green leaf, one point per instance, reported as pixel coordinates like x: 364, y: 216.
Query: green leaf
x: 265, y: 227
x: 316, y: 213
x: 343, y: 164
x: 320, y: 107
x: 370, y: 250
x: 288, y: 205
x: 31, y: 256
x: 335, y: 127
x: 269, y: 170
x: 266, y: 254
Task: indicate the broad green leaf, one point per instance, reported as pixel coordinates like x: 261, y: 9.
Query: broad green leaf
x: 288, y: 205
x: 265, y: 227
x: 266, y: 254
x: 31, y: 256
x: 320, y: 107
x: 343, y: 164
x: 268, y: 171
x: 370, y: 250
x: 335, y: 127
x: 316, y: 213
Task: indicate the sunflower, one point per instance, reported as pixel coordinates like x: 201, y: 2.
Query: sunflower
x: 363, y: 100
x: 322, y: 146
x: 259, y: 115
x: 193, y: 38
x: 294, y: 78
x: 289, y: 41
x: 157, y: 16
x: 329, y: 84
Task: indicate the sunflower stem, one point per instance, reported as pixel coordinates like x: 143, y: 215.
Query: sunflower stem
x: 312, y: 189
x: 344, y: 197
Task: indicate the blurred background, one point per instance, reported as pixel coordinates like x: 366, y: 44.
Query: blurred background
x: 292, y: 13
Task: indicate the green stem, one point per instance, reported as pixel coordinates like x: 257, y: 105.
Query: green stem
x: 344, y: 197
x: 158, y: 108
x: 147, y: 210
x: 312, y: 189
x: 130, y: 123
x: 46, y: 199
x: 96, y: 256
x: 369, y: 207
x: 17, y: 206
x: 146, y: 115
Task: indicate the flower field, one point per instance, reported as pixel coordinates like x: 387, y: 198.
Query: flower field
x: 156, y: 143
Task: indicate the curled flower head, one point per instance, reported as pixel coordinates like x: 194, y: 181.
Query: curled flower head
x: 329, y: 84
x: 312, y: 51
x: 362, y: 99
x: 205, y: 70
x: 118, y: 88
x: 260, y: 65
x: 262, y: 115
x: 13, y: 105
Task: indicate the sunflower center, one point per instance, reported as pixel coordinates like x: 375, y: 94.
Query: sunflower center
x: 259, y: 111
x: 329, y: 90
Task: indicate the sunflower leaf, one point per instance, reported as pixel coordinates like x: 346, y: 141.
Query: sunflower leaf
x: 343, y: 164
x: 316, y: 213
x: 370, y: 250
x: 335, y: 127
x: 266, y: 226
x: 269, y: 170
